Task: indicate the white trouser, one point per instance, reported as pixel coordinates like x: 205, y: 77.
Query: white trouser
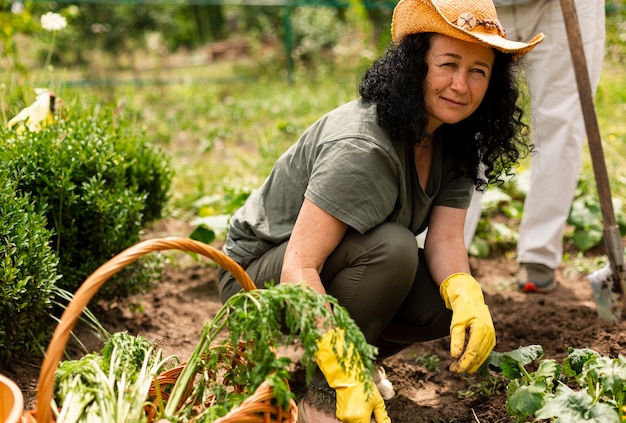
x: 557, y: 125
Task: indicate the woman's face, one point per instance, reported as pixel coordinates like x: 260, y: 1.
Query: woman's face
x: 457, y: 79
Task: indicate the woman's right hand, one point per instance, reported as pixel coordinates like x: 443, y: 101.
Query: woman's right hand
x: 354, y: 403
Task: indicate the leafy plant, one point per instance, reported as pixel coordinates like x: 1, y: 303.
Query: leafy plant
x: 264, y: 320
x: 99, y: 183
x: 492, y: 235
x: 28, y: 272
x: 113, y: 384
x: 429, y: 361
x: 316, y: 31
x: 586, y: 218
x: 549, y: 392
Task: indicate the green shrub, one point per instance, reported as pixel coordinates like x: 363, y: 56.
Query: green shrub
x: 316, y: 32
x: 99, y: 184
x: 28, y: 272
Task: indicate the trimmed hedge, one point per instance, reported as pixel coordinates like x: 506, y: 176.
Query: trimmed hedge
x: 99, y: 182
x: 28, y: 272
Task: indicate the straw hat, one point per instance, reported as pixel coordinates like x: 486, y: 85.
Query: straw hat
x: 475, y: 21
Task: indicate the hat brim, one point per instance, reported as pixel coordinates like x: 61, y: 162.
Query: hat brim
x: 417, y: 16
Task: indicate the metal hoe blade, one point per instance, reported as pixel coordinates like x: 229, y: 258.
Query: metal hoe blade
x: 608, y: 304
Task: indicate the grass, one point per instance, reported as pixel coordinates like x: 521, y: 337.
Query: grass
x: 224, y: 124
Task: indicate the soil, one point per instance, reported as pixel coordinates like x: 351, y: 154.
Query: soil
x: 178, y: 306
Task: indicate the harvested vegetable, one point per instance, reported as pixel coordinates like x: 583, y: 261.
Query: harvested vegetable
x: 111, y: 386
x: 262, y: 320
x: 223, y: 370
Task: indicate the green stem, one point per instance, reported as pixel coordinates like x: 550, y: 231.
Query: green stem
x: 50, y: 50
x: 527, y: 376
x: 620, y: 405
x: 209, y: 332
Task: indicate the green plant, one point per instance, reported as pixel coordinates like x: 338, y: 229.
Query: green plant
x: 586, y: 387
x: 99, y: 183
x: 586, y: 219
x: 28, y: 272
x: 111, y: 385
x: 429, y: 361
x: 492, y: 234
x: 316, y: 32
x: 486, y: 386
x: 262, y: 320
x: 265, y: 320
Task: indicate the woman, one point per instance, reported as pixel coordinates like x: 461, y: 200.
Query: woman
x: 342, y: 207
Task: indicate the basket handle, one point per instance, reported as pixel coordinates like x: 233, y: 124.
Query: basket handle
x: 91, y: 285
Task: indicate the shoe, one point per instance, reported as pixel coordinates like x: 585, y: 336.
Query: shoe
x: 383, y: 384
x: 535, y: 277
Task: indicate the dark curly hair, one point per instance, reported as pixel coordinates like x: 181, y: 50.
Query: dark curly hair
x: 493, y: 135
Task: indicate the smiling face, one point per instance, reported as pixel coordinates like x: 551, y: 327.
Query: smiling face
x: 457, y: 79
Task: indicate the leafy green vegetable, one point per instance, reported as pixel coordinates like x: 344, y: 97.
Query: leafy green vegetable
x: 111, y: 386
x: 547, y: 394
x: 576, y: 359
x: 223, y: 370
x: 568, y: 406
x: 512, y: 363
x: 262, y: 321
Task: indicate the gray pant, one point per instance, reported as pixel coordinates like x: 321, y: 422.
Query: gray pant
x: 382, y: 280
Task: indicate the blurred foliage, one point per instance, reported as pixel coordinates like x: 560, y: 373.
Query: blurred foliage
x: 316, y: 32
x: 616, y: 31
x: 119, y: 35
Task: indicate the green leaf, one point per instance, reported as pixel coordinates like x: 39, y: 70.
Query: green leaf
x: 548, y: 372
x: 587, y: 238
x: 479, y: 248
x: 568, y: 406
x: 526, y: 399
x: 585, y: 212
x: 577, y: 357
x: 203, y: 234
x: 510, y: 362
x: 609, y: 373
x: 504, y: 231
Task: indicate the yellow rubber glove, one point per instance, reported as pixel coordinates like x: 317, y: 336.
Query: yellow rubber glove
x: 354, y: 404
x: 463, y: 296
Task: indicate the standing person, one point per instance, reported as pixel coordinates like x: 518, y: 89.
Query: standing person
x: 341, y: 208
x: 557, y: 127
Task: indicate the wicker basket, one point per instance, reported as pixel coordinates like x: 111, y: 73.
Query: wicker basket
x: 256, y: 408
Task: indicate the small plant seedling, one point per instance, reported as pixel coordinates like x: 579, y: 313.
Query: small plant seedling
x: 431, y: 362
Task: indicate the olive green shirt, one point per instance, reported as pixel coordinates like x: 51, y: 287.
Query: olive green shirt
x: 345, y: 164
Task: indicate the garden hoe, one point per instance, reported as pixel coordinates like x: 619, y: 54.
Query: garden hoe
x: 608, y: 284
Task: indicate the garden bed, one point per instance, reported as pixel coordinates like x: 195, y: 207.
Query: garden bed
x: 177, y: 308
